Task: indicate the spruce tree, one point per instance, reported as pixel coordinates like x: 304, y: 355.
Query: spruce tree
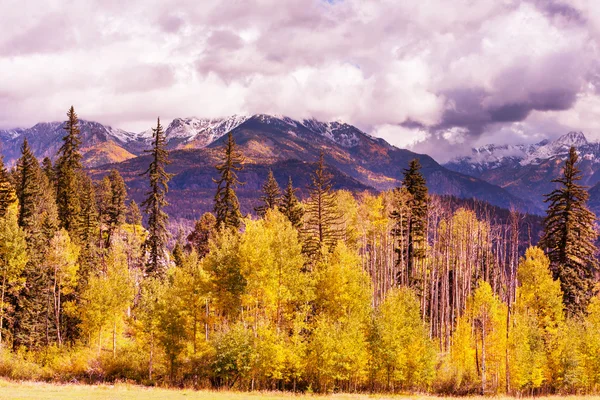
x: 414, y: 223
x: 48, y: 169
x: 271, y: 197
x: 227, y: 207
x: 116, y: 210
x: 134, y: 216
x: 290, y: 206
x: 204, y: 230
x: 7, y: 192
x: 88, y: 223
x: 28, y: 186
x: 569, y: 238
x: 156, y: 242
x: 68, y: 169
x: 322, y: 227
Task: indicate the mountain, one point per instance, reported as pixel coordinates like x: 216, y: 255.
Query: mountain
x: 357, y: 160
x: 100, y: 144
x: 526, y: 171
x: 290, y: 147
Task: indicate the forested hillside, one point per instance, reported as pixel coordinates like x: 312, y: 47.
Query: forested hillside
x: 391, y: 291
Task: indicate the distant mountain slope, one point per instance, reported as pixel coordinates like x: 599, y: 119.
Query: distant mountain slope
x: 527, y: 171
x: 100, y: 144
x: 358, y: 160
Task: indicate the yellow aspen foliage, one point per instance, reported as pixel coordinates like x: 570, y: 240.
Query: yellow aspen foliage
x: 403, y: 355
x: 535, y: 350
x: 271, y: 264
x: 13, y: 258
x: 478, y: 351
x: 342, y: 288
x: 590, y: 346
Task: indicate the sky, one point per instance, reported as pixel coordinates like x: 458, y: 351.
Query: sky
x: 434, y: 76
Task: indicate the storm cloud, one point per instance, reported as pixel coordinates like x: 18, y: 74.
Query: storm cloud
x: 434, y: 76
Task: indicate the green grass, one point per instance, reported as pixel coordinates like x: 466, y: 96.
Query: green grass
x: 46, y: 391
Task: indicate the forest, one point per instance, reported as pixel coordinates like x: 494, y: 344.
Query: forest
x: 399, y: 291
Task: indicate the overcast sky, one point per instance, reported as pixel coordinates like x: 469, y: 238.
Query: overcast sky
x: 436, y: 76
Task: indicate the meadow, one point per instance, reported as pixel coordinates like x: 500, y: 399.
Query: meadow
x: 11, y: 390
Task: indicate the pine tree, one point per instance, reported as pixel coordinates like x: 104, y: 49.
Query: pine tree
x: 68, y: 168
x: 413, y: 223
x: 7, y: 192
x: 89, y: 214
x: 227, y: 207
x: 117, y: 209
x: 48, y: 169
x: 321, y: 229
x: 134, y: 216
x: 290, y: 206
x: 271, y: 197
x: 204, y: 230
x: 569, y: 238
x: 415, y: 185
x: 156, y: 242
x: 28, y: 186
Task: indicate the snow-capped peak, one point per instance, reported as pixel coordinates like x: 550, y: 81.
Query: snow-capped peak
x: 202, y: 130
x: 560, y: 146
x: 571, y: 139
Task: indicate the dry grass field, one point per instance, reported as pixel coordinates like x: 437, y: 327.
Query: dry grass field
x: 42, y: 391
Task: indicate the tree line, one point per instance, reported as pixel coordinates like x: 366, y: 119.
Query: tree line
x: 396, y: 291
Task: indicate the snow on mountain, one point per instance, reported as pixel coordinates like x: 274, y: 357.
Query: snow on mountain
x: 492, y: 156
x: 8, y: 134
x: 201, y: 131
x: 341, y: 133
x: 560, y: 147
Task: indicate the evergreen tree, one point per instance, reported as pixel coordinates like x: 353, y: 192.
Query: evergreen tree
x: 48, y: 169
x: 412, y: 225
x: 88, y: 231
x: 569, y: 238
x: 204, y: 230
x: 134, y: 216
x: 116, y: 210
x: 290, y: 206
x: 68, y: 168
x: 7, y: 192
x: 321, y: 229
x: 227, y: 207
x: 271, y: 197
x: 156, y: 242
x: 13, y: 258
x: 28, y: 186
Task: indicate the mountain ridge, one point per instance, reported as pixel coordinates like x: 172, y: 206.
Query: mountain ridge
x: 266, y: 140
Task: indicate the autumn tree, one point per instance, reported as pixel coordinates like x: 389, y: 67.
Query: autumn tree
x: 227, y: 207
x: 62, y: 268
x: 13, y: 258
x: 538, y: 318
x: 155, y: 202
x: 569, y: 237
x: 403, y: 355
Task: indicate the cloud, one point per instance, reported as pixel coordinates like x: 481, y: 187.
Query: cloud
x: 431, y: 75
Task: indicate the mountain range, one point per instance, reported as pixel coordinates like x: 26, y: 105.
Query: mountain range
x: 526, y: 171
x: 505, y: 176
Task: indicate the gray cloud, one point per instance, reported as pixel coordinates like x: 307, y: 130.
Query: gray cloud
x: 452, y: 74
